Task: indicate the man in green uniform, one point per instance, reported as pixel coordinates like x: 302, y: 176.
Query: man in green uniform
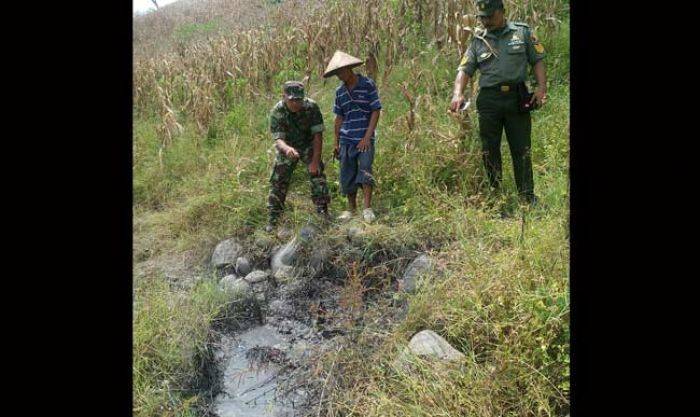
x: 502, y: 53
x: 296, y: 125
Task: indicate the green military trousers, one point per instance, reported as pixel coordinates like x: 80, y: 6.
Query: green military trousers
x: 498, y: 110
x: 281, y: 176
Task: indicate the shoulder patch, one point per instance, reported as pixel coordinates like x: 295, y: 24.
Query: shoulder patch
x: 464, y: 61
x: 536, y: 43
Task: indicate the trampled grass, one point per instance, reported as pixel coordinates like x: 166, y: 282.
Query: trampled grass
x: 500, y: 294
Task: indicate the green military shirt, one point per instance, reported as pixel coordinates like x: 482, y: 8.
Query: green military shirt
x: 296, y: 129
x: 511, y: 50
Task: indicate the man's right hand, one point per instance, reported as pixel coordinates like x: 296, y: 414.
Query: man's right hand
x: 291, y: 153
x: 456, y: 103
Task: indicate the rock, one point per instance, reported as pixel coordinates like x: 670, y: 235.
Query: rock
x: 427, y: 343
x: 285, y: 255
x: 226, y: 253
x: 423, y: 263
x: 236, y: 286
x: 308, y: 232
x: 227, y: 279
x: 243, y: 266
x: 257, y: 276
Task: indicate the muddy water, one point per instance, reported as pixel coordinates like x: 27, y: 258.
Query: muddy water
x: 251, y: 386
x: 268, y: 368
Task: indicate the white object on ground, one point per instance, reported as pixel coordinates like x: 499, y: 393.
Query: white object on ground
x: 368, y: 215
x: 429, y: 344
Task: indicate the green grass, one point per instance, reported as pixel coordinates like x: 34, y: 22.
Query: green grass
x: 500, y: 298
x: 170, y: 333
x: 188, y: 31
x: 501, y: 292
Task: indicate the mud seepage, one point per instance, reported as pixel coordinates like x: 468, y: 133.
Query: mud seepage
x: 266, y: 361
x: 250, y: 387
x: 261, y: 365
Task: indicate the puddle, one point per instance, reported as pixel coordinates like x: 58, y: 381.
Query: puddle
x: 269, y: 370
x: 258, y: 367
x: 250, y: 386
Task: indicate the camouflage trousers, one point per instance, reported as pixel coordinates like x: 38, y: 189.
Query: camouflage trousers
x: 281, y: 177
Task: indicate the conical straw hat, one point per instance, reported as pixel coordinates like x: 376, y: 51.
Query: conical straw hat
x: 340, y: 60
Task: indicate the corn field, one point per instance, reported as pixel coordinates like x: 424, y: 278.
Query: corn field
x: 296, y: 38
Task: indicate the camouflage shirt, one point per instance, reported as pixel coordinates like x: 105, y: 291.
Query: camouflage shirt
x: 502, y: 57
x: 296, y: 129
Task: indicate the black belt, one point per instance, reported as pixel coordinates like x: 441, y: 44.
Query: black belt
x: 503, y: 87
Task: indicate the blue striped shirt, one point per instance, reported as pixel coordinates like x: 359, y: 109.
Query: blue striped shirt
x: 355, y: 107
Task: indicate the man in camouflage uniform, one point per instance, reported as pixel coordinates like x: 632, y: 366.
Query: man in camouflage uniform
x: 502, y: 53
x: 296, y: 125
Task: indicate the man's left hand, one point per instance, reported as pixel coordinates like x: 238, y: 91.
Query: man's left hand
x: 313, y: 168
x: 539, y: 97
x: 363, y: 146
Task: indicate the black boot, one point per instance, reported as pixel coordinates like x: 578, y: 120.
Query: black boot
x: 532, y: 200
x: 271, y: 225
x: 323, y: 212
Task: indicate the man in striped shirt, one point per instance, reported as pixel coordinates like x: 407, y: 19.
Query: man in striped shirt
x: 357, y: 109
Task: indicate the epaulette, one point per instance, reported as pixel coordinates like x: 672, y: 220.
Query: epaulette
x: 521, y: 24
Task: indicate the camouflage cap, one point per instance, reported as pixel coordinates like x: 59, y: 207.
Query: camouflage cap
x: 294, y: 90
x: 487, y: 7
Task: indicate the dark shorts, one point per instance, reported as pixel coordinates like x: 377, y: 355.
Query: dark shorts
x: 355, y: 167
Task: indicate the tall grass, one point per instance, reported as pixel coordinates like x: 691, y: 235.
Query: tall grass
x: 202, y: 154
x: 207, y: 75
x: 171, y: 330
